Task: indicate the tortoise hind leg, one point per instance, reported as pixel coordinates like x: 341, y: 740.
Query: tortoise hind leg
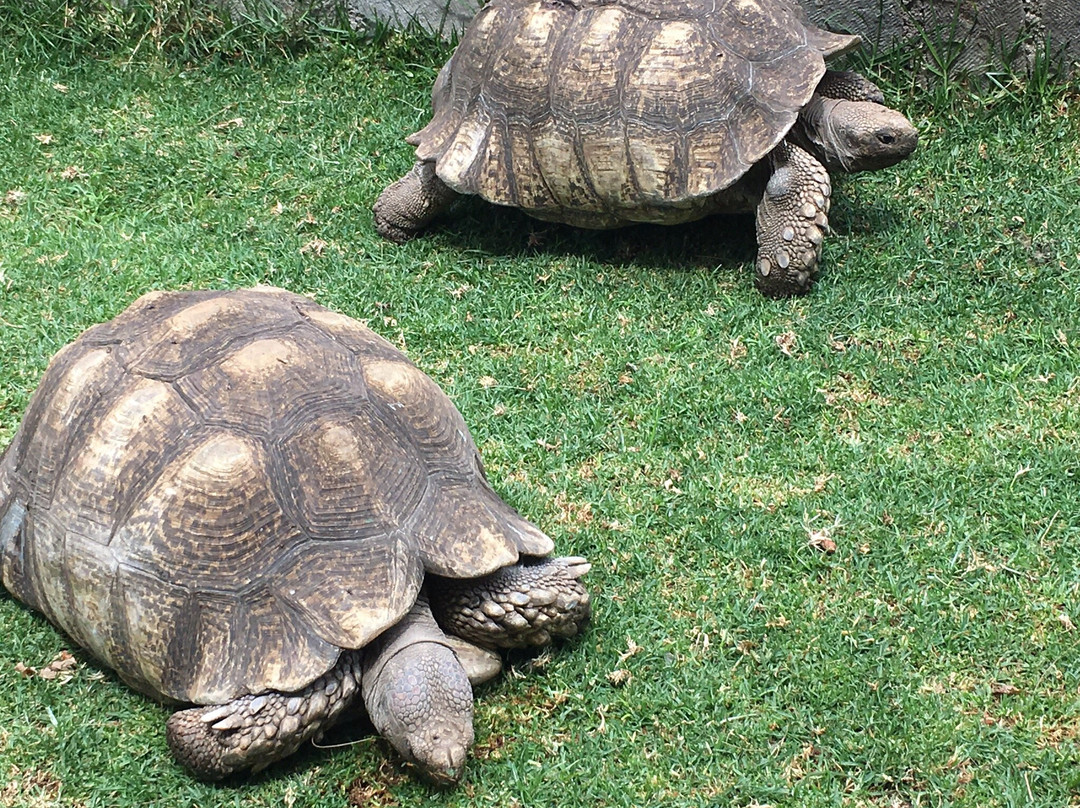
x: 524, y: 604
x: 253, y: 731
x: 792, y: 219
x: 407, y: 206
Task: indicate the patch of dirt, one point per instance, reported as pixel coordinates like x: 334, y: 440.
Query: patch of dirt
x: 373, y: 790
x: 29, y: 789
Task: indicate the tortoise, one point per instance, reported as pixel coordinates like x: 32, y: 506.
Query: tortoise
x: 602, y: 113
x: 248, y: 503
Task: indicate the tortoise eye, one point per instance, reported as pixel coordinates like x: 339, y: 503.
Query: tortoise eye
x: 886, y: 138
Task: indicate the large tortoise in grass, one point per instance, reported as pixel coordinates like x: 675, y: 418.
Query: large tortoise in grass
x: 601, y: 113
x: 248, y: 503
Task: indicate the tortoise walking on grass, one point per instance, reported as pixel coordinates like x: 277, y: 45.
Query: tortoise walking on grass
x: 246, y: 502
x: 601, y: 113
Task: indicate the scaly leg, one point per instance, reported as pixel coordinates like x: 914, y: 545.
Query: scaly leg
x: 792, y: 219
x: 845, y: 85
x: 252, y: 732
x: 407, y: 206
x: 525, y: 604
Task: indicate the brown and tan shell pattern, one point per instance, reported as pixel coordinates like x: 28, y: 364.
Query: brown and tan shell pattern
x: 596, y: 112
x: 223, y: 490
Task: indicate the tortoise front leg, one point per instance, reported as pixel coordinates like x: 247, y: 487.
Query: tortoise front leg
x: 407, y: 206
x: 846, y: 85
x: 252, y: 732
x: 525, y: 604
x: 792, y: 219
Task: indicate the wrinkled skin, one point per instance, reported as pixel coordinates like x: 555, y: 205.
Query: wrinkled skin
x: 847, y: 127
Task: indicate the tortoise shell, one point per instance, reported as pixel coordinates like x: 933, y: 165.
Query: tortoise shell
x: 216, y: 492
x: 598, y: 112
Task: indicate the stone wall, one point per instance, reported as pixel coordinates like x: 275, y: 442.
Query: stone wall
x: 443, y: 17
x: 974, y: 34
x: 970, y: 34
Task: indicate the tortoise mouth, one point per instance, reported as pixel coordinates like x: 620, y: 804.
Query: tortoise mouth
x: 441, y: 778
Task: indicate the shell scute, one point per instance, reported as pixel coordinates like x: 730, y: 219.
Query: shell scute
x: 271, y: 646
x: 461, y: 535
x: 758, y: 30
x: 607, y: 164
x: 657, y: 158
x: 585, y: 83
x: 557, y: 160
x: 520, y: 74
x: 151, y: 306
x: 350, y: 590
x: 72, y: 388
x: 409, y: 398
x: 468, y: 144
x: 354, y: 335
x: 666, y: 90
x: 212, y: 519
x: 351, y: 477
x: 147, y: 615
x: 198, y: 335
x: 751, y: 126
x: 777, y: 84
x: 711, y: 154
x: 122, y: 454
x: 232, y: 646
x: 285, y: 380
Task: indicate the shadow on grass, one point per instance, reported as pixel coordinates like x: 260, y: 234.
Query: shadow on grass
x: 724, y: 241
x: 473, y: 224
x: 859, y: 209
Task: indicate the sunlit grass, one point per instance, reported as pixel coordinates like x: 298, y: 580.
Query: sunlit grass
x: 633, y: 394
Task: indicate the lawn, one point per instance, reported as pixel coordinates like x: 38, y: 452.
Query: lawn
x: 634, y: 395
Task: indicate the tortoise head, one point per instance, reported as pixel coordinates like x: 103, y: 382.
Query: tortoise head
x: 854, y: 135
x: 422, y: 703
x: 430, y: 707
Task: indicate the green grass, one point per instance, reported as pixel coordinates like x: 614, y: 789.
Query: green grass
x: 920, y: 408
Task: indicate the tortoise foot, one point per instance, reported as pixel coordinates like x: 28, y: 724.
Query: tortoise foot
x: 407, y: 206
